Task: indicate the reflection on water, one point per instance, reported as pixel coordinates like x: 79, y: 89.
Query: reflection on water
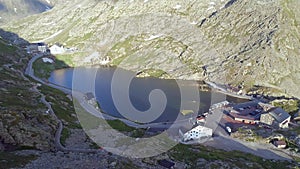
x: 100, y: 79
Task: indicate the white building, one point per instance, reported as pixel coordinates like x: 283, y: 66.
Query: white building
x: 57, y: 49
x: 37, y: 47
x: 197, y: 133
x: 42, y: 47
x: 219, y: 105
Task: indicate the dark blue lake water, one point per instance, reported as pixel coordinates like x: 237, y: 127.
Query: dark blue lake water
x: 99, y: 81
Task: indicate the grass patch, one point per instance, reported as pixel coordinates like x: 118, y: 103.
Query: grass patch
x: 17, y: 95
x: 67, y: 59
x: 120, y: 126
x: 64, y: 135
x: 128, y: 48
x: 62, y: 106
x: 11, y: 160
x: 290, y: 106
x: 89, y: 121
x: 138, y: 133
x: 190, y: 154
x: 44, y: 70
x: 7, y: 49
x: 155, y: 72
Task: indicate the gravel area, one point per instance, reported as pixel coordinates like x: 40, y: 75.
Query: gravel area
x: 78, y: 139
x: 103, y: 159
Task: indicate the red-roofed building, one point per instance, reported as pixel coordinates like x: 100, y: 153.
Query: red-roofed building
x: 242, y: 118
x: 280, y: 144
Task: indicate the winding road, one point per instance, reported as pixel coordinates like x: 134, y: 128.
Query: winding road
x: 218, y: 142
x: 79, y: 96
x: 30, y: 72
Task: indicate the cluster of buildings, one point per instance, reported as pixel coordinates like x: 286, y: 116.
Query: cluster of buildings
x: 252, y: 112
x: 237, y: 90
x: 43, y: 48
x: 91, y: 99
x: 260, y: 113
x: 37, y: 48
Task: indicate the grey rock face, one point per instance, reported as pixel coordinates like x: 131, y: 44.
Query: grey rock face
x: 23, y: 121
x: 240, y: 42
x: 11, y: 10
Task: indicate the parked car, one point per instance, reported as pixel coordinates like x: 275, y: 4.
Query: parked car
x: 228, y: 129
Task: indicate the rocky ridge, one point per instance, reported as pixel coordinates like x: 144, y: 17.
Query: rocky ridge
x: 238, y: 42
x: 12, y: 10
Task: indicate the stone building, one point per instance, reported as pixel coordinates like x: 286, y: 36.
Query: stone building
x: 276, y: 117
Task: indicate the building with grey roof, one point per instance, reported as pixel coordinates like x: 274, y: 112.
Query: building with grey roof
x: 276, y: 117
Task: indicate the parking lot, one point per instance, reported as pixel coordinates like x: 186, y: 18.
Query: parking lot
x: 215, y: 121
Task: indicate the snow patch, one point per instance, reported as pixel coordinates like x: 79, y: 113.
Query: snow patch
x: 47, y: 60
x: 249, y: 64
x: 212, y: 3
x: 194, y: 23
x: 153, y: 37
x: 210, y: 8
x: 177, y: 6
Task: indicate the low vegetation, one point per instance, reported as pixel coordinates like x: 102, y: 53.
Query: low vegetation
x: 66, y: 58
x: 120, y: 126
x: 43, y: 70
x: 290, y: 106
x: 65, y: 134
x: 62, y: 106
x: 190, y: 155
x: 11, y: 160
x: 7, y: 49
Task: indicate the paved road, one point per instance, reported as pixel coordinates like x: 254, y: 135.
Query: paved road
x: 89, y: 108
x: 30, y: 72
x: 223, y: 141
x: 266, y: 151
x: 214, y: 120
x: 224, y: 91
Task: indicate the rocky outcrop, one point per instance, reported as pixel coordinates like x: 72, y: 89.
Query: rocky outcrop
x: 26, y: 130
x: 24, y: 122
x: 244, y: 43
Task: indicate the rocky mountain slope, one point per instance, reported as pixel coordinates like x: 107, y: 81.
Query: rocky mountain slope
x: 12, y: 10
x: 23, y: 119
x: 260, y: 43
x: 241, y: 42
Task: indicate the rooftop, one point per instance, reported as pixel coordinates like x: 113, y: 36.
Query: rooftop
x: 89, y: 96
x: 279, y: 114
x: 280, y: 142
